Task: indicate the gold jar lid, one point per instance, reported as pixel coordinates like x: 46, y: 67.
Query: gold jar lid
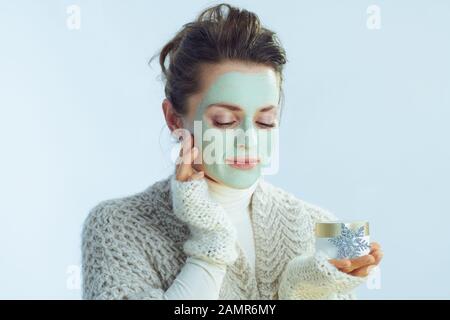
x: 333, y: 228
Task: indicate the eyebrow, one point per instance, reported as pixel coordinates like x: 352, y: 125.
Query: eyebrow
x: 236, y: 108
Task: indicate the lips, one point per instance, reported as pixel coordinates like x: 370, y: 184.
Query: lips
x: 242, y: 163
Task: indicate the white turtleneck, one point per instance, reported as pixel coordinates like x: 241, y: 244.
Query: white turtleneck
x: 237, y: 203
x: 199, y: 279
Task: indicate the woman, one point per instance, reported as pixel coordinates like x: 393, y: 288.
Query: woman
x: 215, y: 229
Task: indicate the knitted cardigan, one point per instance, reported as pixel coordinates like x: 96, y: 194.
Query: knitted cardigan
x: 132, y: 248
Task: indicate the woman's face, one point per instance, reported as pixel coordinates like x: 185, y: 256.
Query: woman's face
x: 234, y: 120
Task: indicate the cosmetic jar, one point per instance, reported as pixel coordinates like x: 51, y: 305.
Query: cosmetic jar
x: 343, y: 239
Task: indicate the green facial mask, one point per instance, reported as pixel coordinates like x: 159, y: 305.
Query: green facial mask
x: 251, y: 92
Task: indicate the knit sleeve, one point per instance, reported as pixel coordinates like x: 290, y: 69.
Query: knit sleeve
x: 213, y: 235
x: 114, y: 263
x: 313, y: 276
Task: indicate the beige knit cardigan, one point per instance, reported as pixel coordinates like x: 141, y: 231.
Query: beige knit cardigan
x: 132, y: 247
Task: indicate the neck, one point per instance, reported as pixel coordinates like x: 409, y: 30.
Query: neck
x: 233, y: 200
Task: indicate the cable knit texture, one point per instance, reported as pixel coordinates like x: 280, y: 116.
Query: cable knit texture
x: 313, y: 277
x: 213, y: 236
x: 134, y: 247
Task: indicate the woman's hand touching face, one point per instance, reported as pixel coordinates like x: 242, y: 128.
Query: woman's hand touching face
x: 361, y: 266
x: 185, y: 163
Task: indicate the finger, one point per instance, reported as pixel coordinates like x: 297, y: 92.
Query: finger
x: 185, y: 168
x: 360, y: 262
x: 374, y: 246
x: 197, y: 176
x: 378, y: 255
x: 184, y: 146
x: 340, y: 263
x: 184, y: 163
x: 363, y: 271
x: 181, y: 160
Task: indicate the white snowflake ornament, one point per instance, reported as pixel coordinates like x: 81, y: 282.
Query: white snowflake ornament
x: 350, y: 244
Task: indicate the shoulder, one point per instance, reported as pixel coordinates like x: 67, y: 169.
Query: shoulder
x: 291, y: 204
x: 144, y: 209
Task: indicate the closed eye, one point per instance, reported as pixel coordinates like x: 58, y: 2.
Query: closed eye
x: 224, y: 124
x: 266, y: 125
x: 231, y: 123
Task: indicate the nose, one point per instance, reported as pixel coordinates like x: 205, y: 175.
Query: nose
x: 250, y: 134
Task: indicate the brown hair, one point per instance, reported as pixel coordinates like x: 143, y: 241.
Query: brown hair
x: 214, y: 37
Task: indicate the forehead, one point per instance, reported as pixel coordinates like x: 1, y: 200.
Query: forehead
x: 247, y: 90
x: 247, y: 86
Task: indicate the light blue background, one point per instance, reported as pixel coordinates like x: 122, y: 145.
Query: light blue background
x: 365, y: 128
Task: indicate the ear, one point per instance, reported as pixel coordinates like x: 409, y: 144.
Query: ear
x: 173, y: 120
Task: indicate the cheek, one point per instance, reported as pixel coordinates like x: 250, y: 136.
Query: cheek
x: 201, y: 127
x: 214, y: 145
x: 263, y: 144
x: 267, y: 144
